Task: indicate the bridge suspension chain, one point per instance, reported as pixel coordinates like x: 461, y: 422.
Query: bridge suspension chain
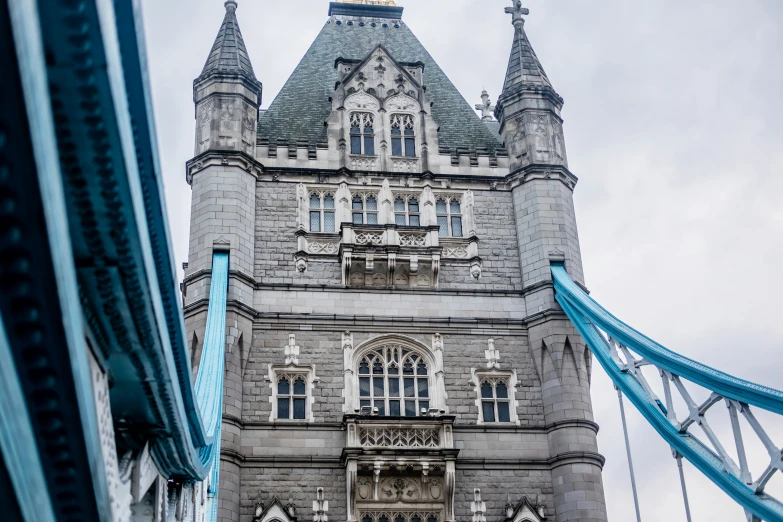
x: 624, y: 353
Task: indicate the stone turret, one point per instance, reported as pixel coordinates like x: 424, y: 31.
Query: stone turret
x: 223, y: 176
x: 529, y: 115
x: 529, y: 108
x: 227, y: 93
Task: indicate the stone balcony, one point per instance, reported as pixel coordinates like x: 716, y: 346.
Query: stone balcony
x: 388, y: 256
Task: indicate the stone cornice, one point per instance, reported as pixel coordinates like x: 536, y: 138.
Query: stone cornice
x: 542, y: 171
x: 222, y: 158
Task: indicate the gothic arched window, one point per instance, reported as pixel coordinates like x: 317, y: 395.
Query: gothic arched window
x: 449, y: 212
x: 364, y: 209
x: 495, y: 401
x: 403, y: 134
x: 394, y: 380
x: 406, y: 211
x: 292, y: 397
x: 322, y: 212
x: 362, y: 133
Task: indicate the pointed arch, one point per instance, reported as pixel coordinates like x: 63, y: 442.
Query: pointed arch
x: 396, y: 374
x: 569, y: 369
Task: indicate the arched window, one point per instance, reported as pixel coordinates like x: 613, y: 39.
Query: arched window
x: 495, y: 401
x: 395, y: 380
x: 364, y: 209
x: 449, y: 212
x: 292, y: 397
x: 362, y: 133
x: 403, y: 135
x: 322, y: 212
x: 406, y: 211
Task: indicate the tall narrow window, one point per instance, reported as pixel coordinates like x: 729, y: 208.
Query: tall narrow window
x: 403, y: 135
x: 406, y: 211
x: 362, y: 133
x: 292, y: 397
x: 322, y: 212
x: 364, y: 209
x: 395, y: 381
x: 495, y: 401
x: 449, y: 214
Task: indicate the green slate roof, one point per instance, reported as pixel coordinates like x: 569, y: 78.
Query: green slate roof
x: 302, y: 106
x: 229, y: 54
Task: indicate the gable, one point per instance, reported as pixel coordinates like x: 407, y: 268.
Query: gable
x: 302, y: 106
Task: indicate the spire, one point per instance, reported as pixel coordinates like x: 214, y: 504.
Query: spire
x: 229, y: 54
x: 523, y: 65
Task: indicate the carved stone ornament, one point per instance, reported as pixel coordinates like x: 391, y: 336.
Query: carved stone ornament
x: 362, y: 100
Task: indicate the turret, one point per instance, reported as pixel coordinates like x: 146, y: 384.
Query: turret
x: 529, y: 115
x: 227, y: 93
x: 529, y: 108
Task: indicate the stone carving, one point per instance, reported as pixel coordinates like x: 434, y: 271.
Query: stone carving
x: 371, y: 238
x: 361, y: 163
x: 362, y: 100
x: 291, y: 350
x: 455, y: 252
x: 486, y: 107
x: 248, y: 128
x: 400, y: 437
x: 413, y: 240
x: 406, y: 516
x: 405, y: 165
x: 301, y: 264
x: 436, y: 488
x: 402, y: 102
x: 205, y: 121
x: 364, y: 488
x: 323, y: 248
x: 399, y: 490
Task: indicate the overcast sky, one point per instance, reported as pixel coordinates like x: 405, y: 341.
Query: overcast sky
x: 674, y: 126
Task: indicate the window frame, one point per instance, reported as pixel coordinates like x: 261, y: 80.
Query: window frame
x: 292, y: 371
x: 363, y: 117
x: 291, y: 396
x: 391, y: 355
x: 450, y: 216
x: 364, y: 211
x: 321, y: 210
x: 495, y: 376
x: 407, y: 213
x: 494, y: 400
x: 406, y: 123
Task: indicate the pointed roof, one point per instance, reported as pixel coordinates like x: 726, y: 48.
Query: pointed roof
x: 229, y: 54
x: 302, y: 105
x: 523, y: 64
x: 524, y: 68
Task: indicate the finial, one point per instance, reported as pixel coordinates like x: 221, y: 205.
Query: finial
x: 517, y: 12
x: 486, y: 107
x: 231, y: 5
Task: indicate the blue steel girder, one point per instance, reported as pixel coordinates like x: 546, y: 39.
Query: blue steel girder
x: 615, y: 344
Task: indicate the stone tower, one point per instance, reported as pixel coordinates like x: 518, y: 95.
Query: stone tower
x: 395, y: 353
x: 542, y: 187
x: 223, y: 176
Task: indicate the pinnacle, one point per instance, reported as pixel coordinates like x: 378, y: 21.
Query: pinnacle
x: 229, y: 54
x: 524, y: 68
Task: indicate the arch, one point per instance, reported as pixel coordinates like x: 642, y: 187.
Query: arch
x: 377, y: 342
x: 410, y: 374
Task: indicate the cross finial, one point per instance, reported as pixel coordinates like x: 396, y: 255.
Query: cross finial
x: 486, y: 107
x: 517, y: 12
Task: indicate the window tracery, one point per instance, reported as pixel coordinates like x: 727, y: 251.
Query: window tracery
x: 363, y: 133
x: 407, y: 210
x: 292, y: 397
x: 364, y: 209
x: 403, y: 135
x: 395, y: 380
x: 449, y: 214
x: 322, y: 211
x: 495, y: 400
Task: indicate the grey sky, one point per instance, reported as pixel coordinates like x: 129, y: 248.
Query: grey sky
x: 674, y: 125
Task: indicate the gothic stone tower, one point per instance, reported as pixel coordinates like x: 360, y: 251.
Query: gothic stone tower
x: 395, y: 353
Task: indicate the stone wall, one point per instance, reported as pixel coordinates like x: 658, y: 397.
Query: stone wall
x: 497, y: 486
x: 298, y: 484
